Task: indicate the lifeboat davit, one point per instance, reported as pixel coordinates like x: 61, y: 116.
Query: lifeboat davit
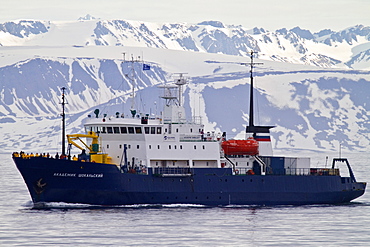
x: 240, y: 147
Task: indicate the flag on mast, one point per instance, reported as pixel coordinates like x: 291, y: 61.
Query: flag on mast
x: 146, y: 66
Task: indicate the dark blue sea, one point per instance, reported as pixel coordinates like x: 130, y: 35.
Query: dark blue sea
x: 181, y: 225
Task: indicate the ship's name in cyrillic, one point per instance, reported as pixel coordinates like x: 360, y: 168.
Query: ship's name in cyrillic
x: 83, y: 175
x: 99, y: 175
x: 57, y: 174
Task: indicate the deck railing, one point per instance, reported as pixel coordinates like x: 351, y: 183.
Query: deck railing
x: 292, y: 171
x: 172, y: 171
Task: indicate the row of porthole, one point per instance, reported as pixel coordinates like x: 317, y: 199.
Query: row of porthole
x: 175, y: 147
x: 158, y: 146
x: 191, y: 180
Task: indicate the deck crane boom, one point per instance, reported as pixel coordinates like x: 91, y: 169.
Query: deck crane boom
x: 94, y: 153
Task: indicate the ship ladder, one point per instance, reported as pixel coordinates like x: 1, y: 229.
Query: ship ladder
x: 261, y: 163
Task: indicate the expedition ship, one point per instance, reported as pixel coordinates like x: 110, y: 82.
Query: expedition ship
x: 174, y: 160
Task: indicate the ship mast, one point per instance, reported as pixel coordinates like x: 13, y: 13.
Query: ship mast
x: 251, y: 99
x: 132, y: 80
x: 63, y: 122
x: 180, y: 82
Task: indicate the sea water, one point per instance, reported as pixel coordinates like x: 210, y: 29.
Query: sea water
x: 181, y: 225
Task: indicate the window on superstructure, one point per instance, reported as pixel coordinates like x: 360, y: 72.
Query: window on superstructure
x: 103, y: 130
x: 116, y: 130
x: 152, y: 130
x: 191, y: 130
x: 120, y: 146
x: 177, y: 130
x: 159, y: 147
x: 180, y: 146
x: 150, y: 146
x: 138, y: 130
x: 159, y: 130
x: 169, y: 146
x: 137, y: 146
x: 131, y: 130
x: 129, y: 146
x: 175, y: 147
x: 110, y: 130
x: 204, y: 147
x: 195, y: 147
x: 146, y: 130
x: 123, y: 130
x: 107, y: 145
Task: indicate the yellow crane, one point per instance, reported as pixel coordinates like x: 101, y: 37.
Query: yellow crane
x: 95, y: 155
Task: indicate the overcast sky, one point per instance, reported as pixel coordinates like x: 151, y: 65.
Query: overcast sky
x: 314, y: 15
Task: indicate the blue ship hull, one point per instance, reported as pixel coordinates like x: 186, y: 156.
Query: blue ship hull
x: 51, y: 180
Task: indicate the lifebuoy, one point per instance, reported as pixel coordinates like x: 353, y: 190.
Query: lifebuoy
x: 236, y: 172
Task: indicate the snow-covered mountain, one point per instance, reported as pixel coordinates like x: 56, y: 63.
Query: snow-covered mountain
x: 327, y: 49
x: 313, y: 87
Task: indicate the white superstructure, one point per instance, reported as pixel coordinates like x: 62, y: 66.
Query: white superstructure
x: 168, y: 141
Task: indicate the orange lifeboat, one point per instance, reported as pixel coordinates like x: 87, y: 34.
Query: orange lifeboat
x: 240, y: 147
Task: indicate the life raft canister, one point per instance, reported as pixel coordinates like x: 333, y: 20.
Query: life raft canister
x: 240, y: 147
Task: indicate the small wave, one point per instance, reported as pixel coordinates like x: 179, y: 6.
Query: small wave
x: 63, y: 205
x: 184, y: 206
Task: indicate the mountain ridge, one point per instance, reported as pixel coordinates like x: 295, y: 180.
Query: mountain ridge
x: 296, y: 45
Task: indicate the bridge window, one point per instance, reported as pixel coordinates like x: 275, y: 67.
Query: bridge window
x: 103, y: 130
x: 123, y: 130
x: 146, y: 130
x: 110, y: 130
x: 152, y: 130
x: 138, y: 130
x: 131, y: 130
x: 159, y: 130
x: 116, y: 130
